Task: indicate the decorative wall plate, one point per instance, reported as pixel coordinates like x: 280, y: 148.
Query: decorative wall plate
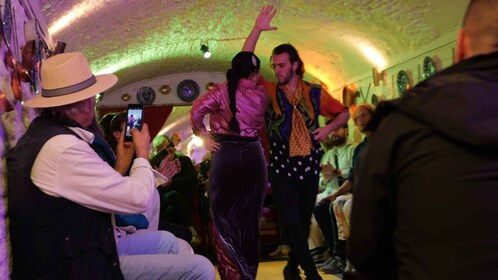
x: 429, y: 68
x: 125, y: 97
x: 403, y: 82
x: 165, y: 89
x: 187, y: 90
x: 146, y: 95
x: 210, y: 85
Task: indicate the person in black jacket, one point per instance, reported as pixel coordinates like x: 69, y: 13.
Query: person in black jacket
x: 424, y: 203
x: 176, y: 198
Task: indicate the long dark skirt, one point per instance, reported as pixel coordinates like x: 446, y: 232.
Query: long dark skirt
x: 237, y: 185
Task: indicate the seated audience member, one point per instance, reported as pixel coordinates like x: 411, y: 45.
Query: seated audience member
x: 336, y: 223
x: 128, y: 224
x: 176, y: 199
x: 105, y: 124
x: 176, y: 139
x: 168, y: 168
x: 62, y: 193
x: 424, y: 204
x: 336, y: 164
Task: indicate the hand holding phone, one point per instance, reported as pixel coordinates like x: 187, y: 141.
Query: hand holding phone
x: 134, y: 119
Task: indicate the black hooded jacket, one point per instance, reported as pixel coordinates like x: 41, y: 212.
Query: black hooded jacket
x: 426, y: 195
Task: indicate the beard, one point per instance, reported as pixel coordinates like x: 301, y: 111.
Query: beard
x: 285, y: 79
x: 337, y: 140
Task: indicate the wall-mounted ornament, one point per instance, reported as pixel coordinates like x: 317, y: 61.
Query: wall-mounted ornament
x: 210, y: 85
x: 187, y: 90
x: 429, y: 67
x: 125, y: 97
x: 5, y: 105
x: 349, y: 96
x: 7, y: 22
x: 15, y: 79
x: 403, y: 82
x: 146, y: 95
x: 39, y: 57
x: 377, y: 76
x: 165, y: 89
x: 1, y: 25
x: 375, y: 99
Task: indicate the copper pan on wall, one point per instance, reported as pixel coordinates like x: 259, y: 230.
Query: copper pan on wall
x: 15, y: 82
x: 349, y: 96
x: 5, y: 105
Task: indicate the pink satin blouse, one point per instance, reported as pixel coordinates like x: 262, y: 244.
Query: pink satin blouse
x: 251, y: 104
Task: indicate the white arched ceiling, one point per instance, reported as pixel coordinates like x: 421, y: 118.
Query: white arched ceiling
x: 140, y: 40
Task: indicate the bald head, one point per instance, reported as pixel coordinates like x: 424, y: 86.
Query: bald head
x: 480, y: 28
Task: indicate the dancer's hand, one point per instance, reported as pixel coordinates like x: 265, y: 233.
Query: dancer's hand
x: 262, y: 24
x: 264, y: 18
x: 321, y: 134
x: 210, y: 144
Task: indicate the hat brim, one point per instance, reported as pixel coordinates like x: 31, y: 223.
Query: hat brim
x: 104, y: 82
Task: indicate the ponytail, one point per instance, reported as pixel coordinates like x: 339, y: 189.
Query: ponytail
x: 232, y: 82
x: 243, y: 65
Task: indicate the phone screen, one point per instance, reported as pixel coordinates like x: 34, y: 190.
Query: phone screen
x: 134, y: 119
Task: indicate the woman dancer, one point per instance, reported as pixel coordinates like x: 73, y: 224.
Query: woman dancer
x: 238, y: 169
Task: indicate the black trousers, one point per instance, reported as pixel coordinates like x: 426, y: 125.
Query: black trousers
x: 295, y: 201
x: 325, y: 218
x: 237, y: 187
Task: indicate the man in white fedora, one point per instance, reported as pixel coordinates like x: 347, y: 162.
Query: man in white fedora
x: 62, y: 194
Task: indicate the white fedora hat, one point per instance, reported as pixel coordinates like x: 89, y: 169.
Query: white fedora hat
x: 66, y: 79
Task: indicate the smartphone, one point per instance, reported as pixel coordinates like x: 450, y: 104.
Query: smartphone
x: 134, y: 119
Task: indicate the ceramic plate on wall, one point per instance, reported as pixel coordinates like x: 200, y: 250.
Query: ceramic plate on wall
x: 146, y: 95
x: 187, y: 90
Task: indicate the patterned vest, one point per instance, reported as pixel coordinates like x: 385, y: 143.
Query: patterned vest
x: 278, y: 128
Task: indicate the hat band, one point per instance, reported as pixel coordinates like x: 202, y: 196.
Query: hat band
x: 70, y: 89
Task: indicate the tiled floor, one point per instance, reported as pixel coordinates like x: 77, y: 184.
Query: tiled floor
x: 272, y: 270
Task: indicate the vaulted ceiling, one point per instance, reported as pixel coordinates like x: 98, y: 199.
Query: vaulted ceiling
x: 339, y: 40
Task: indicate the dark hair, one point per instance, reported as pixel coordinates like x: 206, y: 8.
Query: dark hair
x: 293, y: 56
x: 243, y: 65
x: 116, y: 122
x: 370, y: 109
x: 105, y: 124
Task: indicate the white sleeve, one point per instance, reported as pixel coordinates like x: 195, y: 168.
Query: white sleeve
x: 68, y: 167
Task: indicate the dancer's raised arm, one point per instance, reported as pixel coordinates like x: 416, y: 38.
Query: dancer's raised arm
x: 262, y: 24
